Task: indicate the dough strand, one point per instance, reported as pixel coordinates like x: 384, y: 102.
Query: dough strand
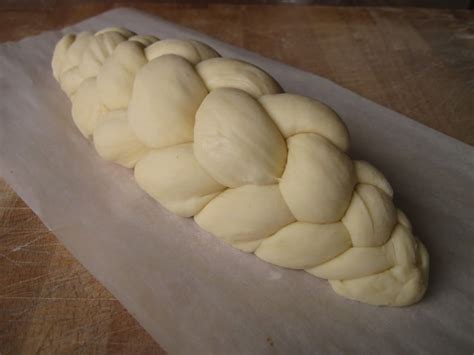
x: 267, y: 172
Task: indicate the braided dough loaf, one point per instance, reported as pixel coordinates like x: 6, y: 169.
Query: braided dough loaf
x: 267, y: 172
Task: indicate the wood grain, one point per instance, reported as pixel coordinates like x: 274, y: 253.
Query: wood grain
x: 49, y: 303
x: 416, y: 61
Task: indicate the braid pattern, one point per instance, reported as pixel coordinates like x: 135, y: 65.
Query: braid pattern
x: 265, y: 171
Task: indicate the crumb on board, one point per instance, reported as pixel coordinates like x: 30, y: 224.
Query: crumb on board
x: 270, y: 341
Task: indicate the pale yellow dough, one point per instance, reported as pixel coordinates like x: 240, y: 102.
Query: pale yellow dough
x: 236, y: 141
x: 174, y: 177
x: 166, y: 95
x: 116, y: 77
x: 232, y: 73
x: 318, y: 180
x: 192, y: 51
x: 245, y: 213
x: 265, y: 171
x: 87, y: 109
x: 115, y: 140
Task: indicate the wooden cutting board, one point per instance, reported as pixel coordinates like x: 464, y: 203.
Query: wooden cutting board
x: 49, y: 303
x: 415, y: 61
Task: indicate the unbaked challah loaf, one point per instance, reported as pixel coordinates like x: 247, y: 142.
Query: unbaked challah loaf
x: 265, y: 171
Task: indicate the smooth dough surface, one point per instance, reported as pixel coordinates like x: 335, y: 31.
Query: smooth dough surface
x: 166, y: 95
x: 145, y: 40
x: 368, y: 174
x: 192, y: 51
x: 123, y: 31
x: 60, y: 54
x: 87, y: 109
x: 371, y: 216
x: 354, y: 263
x: 318, y: 180
x: 246, y: 213
x: 77, y: 50
x: 236, y: 141
x: 304, y: 245
x: 265, y: 171
x: 401, y: 285
x: 232, y: 73
x: 99, y: 48
x: 116, y: 77
x: 69, y: 74
x: 114, y: 140
x: 295, y: 114
x: 174, y: 177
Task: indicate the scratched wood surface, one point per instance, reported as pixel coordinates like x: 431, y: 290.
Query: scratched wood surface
x: 415, y: 61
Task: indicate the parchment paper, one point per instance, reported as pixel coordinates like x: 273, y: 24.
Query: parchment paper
x: 193, y: 293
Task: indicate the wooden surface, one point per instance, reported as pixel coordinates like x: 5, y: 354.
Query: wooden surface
x: 418, y: 62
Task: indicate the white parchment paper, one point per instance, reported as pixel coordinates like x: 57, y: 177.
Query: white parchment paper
x: 193, y: 293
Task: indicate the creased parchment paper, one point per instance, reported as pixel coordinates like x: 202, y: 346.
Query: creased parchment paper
x: 193, y: 293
